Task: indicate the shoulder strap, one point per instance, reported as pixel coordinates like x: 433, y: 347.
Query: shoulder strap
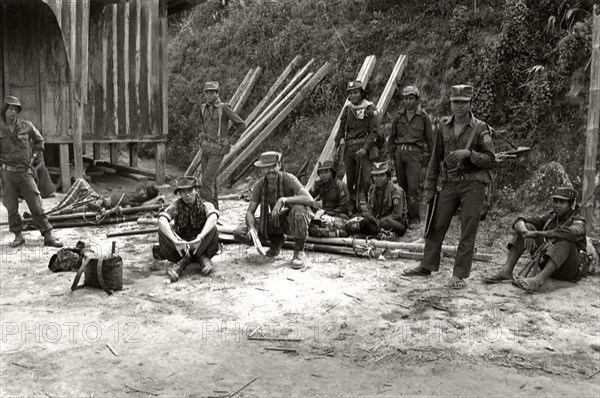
x: 470, y: 140
x: 84, y: 263
x: 220, y: 110
x: 100, y: 278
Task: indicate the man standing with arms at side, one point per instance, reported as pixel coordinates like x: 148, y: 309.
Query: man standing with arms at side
x: 216, y: 138
x: 463, y: 154
x: 410, y: 140
x: 17, y: 156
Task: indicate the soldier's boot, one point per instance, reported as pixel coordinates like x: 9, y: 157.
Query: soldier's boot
x: 51, y: 241
x: 206, y: 265
x: 19, y: 240
x: 276, y: 244
x: 176, y: 269
x: 299, y: 259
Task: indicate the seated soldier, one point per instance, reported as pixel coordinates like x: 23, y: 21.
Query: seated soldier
x: 81, y: 197
x: 331, y: 202
x: 276, y: 190
x: 387, y: 201
x: 187, y: 230
x: 562, y: 229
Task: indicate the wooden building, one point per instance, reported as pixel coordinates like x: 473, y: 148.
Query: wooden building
x: 89, y: 71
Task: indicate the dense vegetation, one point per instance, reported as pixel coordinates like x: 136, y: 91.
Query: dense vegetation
x: 528, y: 59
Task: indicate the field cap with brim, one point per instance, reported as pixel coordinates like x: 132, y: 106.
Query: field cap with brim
x: 356, y: 84
x: 326, y: 165
x: 187, y: 182
x: 267, y: 159
x: 565, y: 193
x: 211, y: 86
x: 410, y: 90
x: 461, y: 92
x: 12, y: 100
x: 380, y: 168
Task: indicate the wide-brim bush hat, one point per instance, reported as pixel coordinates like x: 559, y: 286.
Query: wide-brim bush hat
x: 267, y: 159
x: 187, y: 182
x: 12, y: 100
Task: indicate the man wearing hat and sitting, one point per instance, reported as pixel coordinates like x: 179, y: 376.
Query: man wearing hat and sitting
x: 331, y: 202
x: 387, y: 201
x: 187, y: 231
x: 463, y: 155
x: 562, y: 228
x: 359, y: 128
x: 411, y: 138
x: 217, y: 138
x: 21, y: 146
x: 284, y: 209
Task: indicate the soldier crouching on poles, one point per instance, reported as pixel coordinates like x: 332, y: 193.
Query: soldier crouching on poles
x: 18, y: 157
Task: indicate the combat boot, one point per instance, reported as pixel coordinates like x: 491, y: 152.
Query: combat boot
x: 51, y: 241
x: 299, y: 255
x: 19, y: 240
x: 176, y: 269
x: 206, y: 265
x: 276, y: 244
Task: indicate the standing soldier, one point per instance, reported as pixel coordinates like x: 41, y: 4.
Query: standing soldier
x: 216, y: 138
x: 21, y: 145
x: 359, y: 129
x: 410, y: 140
x: 463, y: 154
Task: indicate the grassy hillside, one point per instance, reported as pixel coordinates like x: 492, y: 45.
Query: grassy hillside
x: 527, y: 59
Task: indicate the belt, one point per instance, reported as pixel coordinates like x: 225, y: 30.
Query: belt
x: 212, y: 144
x: 410, y: 148
x: 16, y: 169
x: 356, y: 141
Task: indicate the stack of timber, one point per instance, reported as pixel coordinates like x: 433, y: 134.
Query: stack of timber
x: 237, y: 102
x: 299, y: 87
x: 382, y: 105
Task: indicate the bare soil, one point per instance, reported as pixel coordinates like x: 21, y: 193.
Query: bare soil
x: 355, y: 326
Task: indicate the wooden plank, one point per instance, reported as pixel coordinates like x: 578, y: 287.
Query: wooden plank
x: 144, y: 78
x: 154, y: 87
x: 269, y: 112
x: 363, y: 75
x: 236, y: 96
x: 272, y: 90
x: 134, y: 24
x: 90, y: 139
x: 114, y: 152
x: 97, y: 151
x: 304, y: 92
x: 111, y: 116
x: 591, y: 143
x: 122, y: 91
x: 65, y: 167
x: 77, y: 39
x: 127, y: 169
x: 164, y: 33
x: 245, y: 94
x: 160, y: 161
x: 2, y: 25
x: 390, y: 87
x: 133, y: 154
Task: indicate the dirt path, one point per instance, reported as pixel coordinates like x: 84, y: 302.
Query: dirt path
x: 359, y: 328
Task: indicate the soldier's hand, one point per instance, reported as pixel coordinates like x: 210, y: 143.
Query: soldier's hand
x: 530, y: 244
x: 277, y: 208
x: 456, y: 156
x: 361, y: 153
x: 181, y: 247
x: 429, y: 195
x: 318, y: 204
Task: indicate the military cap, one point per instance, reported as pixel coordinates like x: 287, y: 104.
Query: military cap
x: 410, y: 90
x: 326, y: 165
x: 565, y: 193
x: 356, y: 84
x: 187, y: 182
x: 12, y: 100
x: 267, y: 159
x: 461, y: 92
x: 211, y: 86
x: 380, y: 168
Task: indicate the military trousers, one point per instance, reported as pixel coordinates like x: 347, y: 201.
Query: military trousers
x: 408, y: 173
x: 294, y: 223
x: 209, y: 246
x: 468, y: 196
x: 355, y: 177
x: 15, y: 184
x: 210, y: 162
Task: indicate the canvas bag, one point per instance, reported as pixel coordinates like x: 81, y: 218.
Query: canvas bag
x: 104, y: 273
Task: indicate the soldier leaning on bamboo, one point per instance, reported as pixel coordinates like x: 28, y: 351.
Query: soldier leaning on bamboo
x: 217, y: 139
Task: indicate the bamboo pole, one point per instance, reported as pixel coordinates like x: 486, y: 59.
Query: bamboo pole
x: 305, y: 91
x: 591, y: 144
x: 264, y: 117
x: 272, y: 90
x: 363, y: 75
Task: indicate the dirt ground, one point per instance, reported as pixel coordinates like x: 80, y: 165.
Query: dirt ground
x: 357, y: 327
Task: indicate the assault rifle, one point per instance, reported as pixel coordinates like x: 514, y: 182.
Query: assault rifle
x: 512, y: 154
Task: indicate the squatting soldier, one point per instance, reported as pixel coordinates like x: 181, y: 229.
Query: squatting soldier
x: 359, y: 129
x: 387, y: 201
x: 187, y: 231
x: 562, y: 229
x: 21, y: 145
x: 216, y: 139
x: 284, y: 209
x: 463, y: 153
x: 331, y: 202
x: 410, y: 141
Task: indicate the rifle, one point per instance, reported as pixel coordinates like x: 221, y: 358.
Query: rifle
x: 541, y: 250
x: 512, y: 154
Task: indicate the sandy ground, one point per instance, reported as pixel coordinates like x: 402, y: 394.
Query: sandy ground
x: 355, y: 327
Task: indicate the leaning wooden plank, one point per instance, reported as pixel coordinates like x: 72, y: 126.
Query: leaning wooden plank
x: 390, y: 87
x: 272, y: 90
x: 247, y: 89
x: 363, y: 75
x: 251, y: 132
x: 193, y: 168
x: 304, y: 92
